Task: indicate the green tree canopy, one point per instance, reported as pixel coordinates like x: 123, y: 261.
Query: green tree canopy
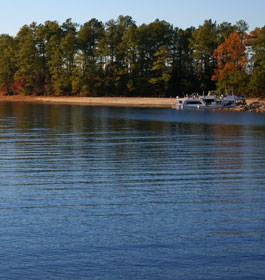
x: 8, y: 52
x: 120, y: 58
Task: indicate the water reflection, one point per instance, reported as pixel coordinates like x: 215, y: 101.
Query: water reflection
x: 122, y: 193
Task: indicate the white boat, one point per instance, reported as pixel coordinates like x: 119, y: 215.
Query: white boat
x: 213, y: 100
x: 195, y: 101
x: 232, y: 100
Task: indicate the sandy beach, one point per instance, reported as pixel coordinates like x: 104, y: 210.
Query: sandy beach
x: 95, y: 101
x: 253, y: 104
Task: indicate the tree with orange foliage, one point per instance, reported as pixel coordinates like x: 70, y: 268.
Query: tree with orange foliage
x: 231, y: 62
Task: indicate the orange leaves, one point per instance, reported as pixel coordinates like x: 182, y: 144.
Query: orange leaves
x: 231, y: 55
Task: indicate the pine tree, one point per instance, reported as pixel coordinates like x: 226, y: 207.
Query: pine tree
x: 257, y: 81
x: 27, y: 61
x: 88, y: 60
x: 160, y: 71
x: 7, y: 63
x: 203, y: 44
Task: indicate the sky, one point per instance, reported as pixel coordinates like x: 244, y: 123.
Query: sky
x: 181, y: 13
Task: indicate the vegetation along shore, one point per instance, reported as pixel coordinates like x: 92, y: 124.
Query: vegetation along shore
x: 119, y: 58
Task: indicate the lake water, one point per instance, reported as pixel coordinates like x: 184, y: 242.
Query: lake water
x: 126, y: 193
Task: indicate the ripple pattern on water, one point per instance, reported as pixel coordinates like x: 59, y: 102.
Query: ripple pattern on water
x: 122, y: 193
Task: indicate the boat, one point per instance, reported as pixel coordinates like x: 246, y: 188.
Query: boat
x: 213, y: 100
x: 231, y: 100
x: 196, y: 101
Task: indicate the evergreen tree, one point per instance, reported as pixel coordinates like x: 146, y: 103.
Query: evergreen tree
x: 41, y: 43
x: 53, y: 35
x: 257, y: 80
x: 160, y: 72
x: 7, y: 63
x: 183, y: 78
x: 68, y: 47
x: 149, y: 39
x: 128, y: 47
x: 115, y: 56
x: 88, y: 61
x: 203, y: 44
x: 27, y: 61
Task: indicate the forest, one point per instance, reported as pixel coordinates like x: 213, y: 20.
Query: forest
x: 119, y: 58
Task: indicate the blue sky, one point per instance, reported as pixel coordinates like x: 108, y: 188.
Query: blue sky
x: 181, y: 13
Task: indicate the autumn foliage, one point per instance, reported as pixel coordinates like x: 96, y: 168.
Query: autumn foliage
x: 119, y: 58
x: 231, y: 56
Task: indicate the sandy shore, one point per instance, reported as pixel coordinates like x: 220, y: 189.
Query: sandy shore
x: 95, y: 101
x: 253, y: 104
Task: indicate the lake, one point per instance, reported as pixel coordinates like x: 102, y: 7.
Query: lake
x: 131, y: 193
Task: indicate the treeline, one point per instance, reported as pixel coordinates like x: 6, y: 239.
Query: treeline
x: 119, y: 58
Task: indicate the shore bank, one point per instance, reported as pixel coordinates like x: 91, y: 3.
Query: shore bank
x: 252, y: 104
x: 94, y: 101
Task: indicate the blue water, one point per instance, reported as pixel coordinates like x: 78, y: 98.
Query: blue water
x: 126, y: 193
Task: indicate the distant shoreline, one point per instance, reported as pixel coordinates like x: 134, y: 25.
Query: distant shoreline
x: 94, y: 101
x: 253, y: 104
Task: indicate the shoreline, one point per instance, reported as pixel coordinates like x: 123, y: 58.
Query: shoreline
x: 252, y: 104
x: 94, y: 101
